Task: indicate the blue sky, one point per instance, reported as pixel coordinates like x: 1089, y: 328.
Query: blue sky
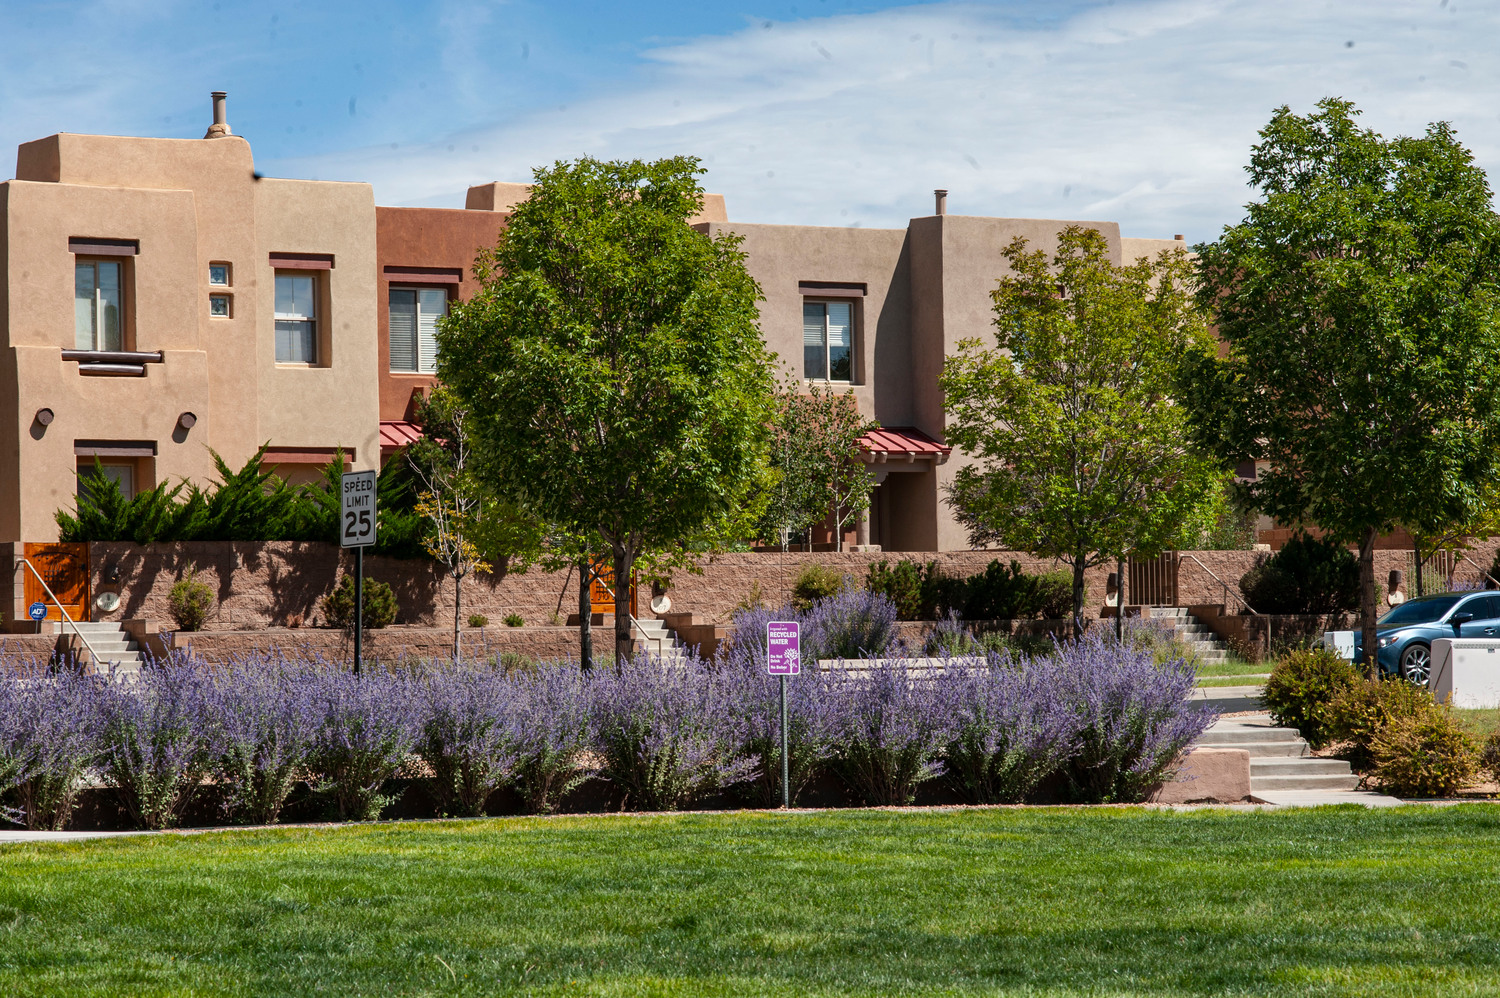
x: 834, y: 112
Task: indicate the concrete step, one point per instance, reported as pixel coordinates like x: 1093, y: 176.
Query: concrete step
x: 1244, y: 734
x: 1322, y: 782
x: 1304, y: 766
x: 1273, y: 750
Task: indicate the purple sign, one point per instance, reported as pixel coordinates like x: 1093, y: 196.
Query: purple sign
x: 784, y: 658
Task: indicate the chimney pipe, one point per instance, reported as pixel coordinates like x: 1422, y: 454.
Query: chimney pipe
x: 1180, y: 238
x: 941, y: 197
x: 220, y: 127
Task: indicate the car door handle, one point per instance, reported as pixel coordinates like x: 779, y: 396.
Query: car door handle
x: 1489, y: 630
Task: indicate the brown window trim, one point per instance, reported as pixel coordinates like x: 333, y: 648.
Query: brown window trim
x: 93, y: 246
x: 302, y: 261
x: 114, y: 448
x: 305, y: 455
x: 831, y: 289
x: 424, y: 275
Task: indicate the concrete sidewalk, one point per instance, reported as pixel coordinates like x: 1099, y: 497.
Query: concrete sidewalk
x: 13, y: 836
x: 1230, y: 699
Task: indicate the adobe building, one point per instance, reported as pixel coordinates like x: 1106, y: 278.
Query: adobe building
x: 159, y: 298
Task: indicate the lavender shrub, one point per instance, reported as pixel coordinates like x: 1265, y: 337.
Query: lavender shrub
x: 268, y: 724
x: 158, y: 740
x: 668, y: 734
x: 888, y: 730
x: 470, y: 735
x: 811, y: 715
x: 49, y: 727
x: 855, y: 623
x: 554, y: 747
x: 368, y: 725
x: 1133, y: 716
x: 1011, y: 728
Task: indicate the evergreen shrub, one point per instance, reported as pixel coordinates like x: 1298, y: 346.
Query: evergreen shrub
x: 190, y: 601
x: 1308, y: 575
x: 379, y: 600
x: 1424, y: 755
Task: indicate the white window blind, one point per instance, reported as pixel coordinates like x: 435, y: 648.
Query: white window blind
x: 840, y: 341
x: 403, y: 330
x: 432, y: 305
x: 413, y: 327
x: 814, y: 352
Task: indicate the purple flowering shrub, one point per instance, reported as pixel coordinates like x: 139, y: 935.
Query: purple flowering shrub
x: 554, y: 750
x: 811, y: 713
x: 668, y: 735
x: 889, y: 731
x: 854, y: 623
x: 1132, y: 714
x: 268, y: 723
x: 49, y: 733
x: 470, y: 735
x: 159, y: 740
x: 1010, y: 727
x: 368, y: 725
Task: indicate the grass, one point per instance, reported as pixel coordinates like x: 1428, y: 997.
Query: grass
x: 1013, y: 901
x: 1480, y: 723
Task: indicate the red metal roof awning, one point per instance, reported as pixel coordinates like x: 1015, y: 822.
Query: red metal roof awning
x: 398, y: 433
x: 903, y: 442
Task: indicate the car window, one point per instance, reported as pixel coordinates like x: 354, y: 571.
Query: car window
x: 1482, y: 607
x: 1422, y: 610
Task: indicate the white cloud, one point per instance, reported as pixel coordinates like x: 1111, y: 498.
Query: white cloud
x: 1142, y: 111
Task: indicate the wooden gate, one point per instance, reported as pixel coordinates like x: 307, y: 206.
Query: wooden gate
x: 65, y: 567
x: 602, y: 584
x: 1153, y: 581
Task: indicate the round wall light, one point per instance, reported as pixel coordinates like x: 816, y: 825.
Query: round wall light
x: 44, y: 417
x: 187, y: 421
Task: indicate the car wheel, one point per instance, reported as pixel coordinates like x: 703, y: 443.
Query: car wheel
x: 1416, y: 663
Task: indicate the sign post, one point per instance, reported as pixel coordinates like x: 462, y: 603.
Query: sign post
x: 357, y: 531
x: 783, y: 658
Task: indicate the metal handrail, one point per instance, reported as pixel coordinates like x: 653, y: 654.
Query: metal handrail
x: 1482, y: 570
x: 1247, y: 606
x: 93, y: 655
x: 629, y: 616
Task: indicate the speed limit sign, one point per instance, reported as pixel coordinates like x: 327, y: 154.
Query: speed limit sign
x: 357, y: 510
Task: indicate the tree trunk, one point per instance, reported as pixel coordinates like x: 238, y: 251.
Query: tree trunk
x: 1119, y: 599
x: 585, y: 618
x: 1078, y: 597
x: 1367, y: 607
x: 624, y: 609
x: 458, y: 596
x: 1417, y: 559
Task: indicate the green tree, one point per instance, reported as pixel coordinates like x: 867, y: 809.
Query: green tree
x: 616, y: 378
x: 815, y: 457
x: 1079, y: 445
x: 1358, y: 302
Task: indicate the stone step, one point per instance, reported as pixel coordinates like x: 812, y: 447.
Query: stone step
x: 1328, y: 782
x: 1305, y: 766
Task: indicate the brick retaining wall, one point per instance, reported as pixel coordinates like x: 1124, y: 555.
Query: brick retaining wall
x: 276, y: 584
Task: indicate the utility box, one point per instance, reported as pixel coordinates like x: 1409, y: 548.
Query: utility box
x: 1341, y: 643
x: 1466, y: 672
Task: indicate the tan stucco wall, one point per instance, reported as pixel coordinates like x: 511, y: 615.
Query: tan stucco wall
x: 338, y: 402
x: 424, y: 237
x: 160, y: 295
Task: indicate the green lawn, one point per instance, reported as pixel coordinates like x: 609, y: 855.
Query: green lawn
x: 1015, y: 901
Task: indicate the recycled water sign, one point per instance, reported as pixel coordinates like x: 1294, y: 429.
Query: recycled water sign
x: 782, y: 644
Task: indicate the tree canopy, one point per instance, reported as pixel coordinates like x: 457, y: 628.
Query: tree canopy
x: 1079, y: 445
x: 1359, y: 305
x: 612, y: 363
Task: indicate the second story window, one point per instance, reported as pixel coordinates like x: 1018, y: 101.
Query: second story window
x: 413, y: 328
x: 296, y: 318
x: 98, y: 305
x: 827, y: 341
